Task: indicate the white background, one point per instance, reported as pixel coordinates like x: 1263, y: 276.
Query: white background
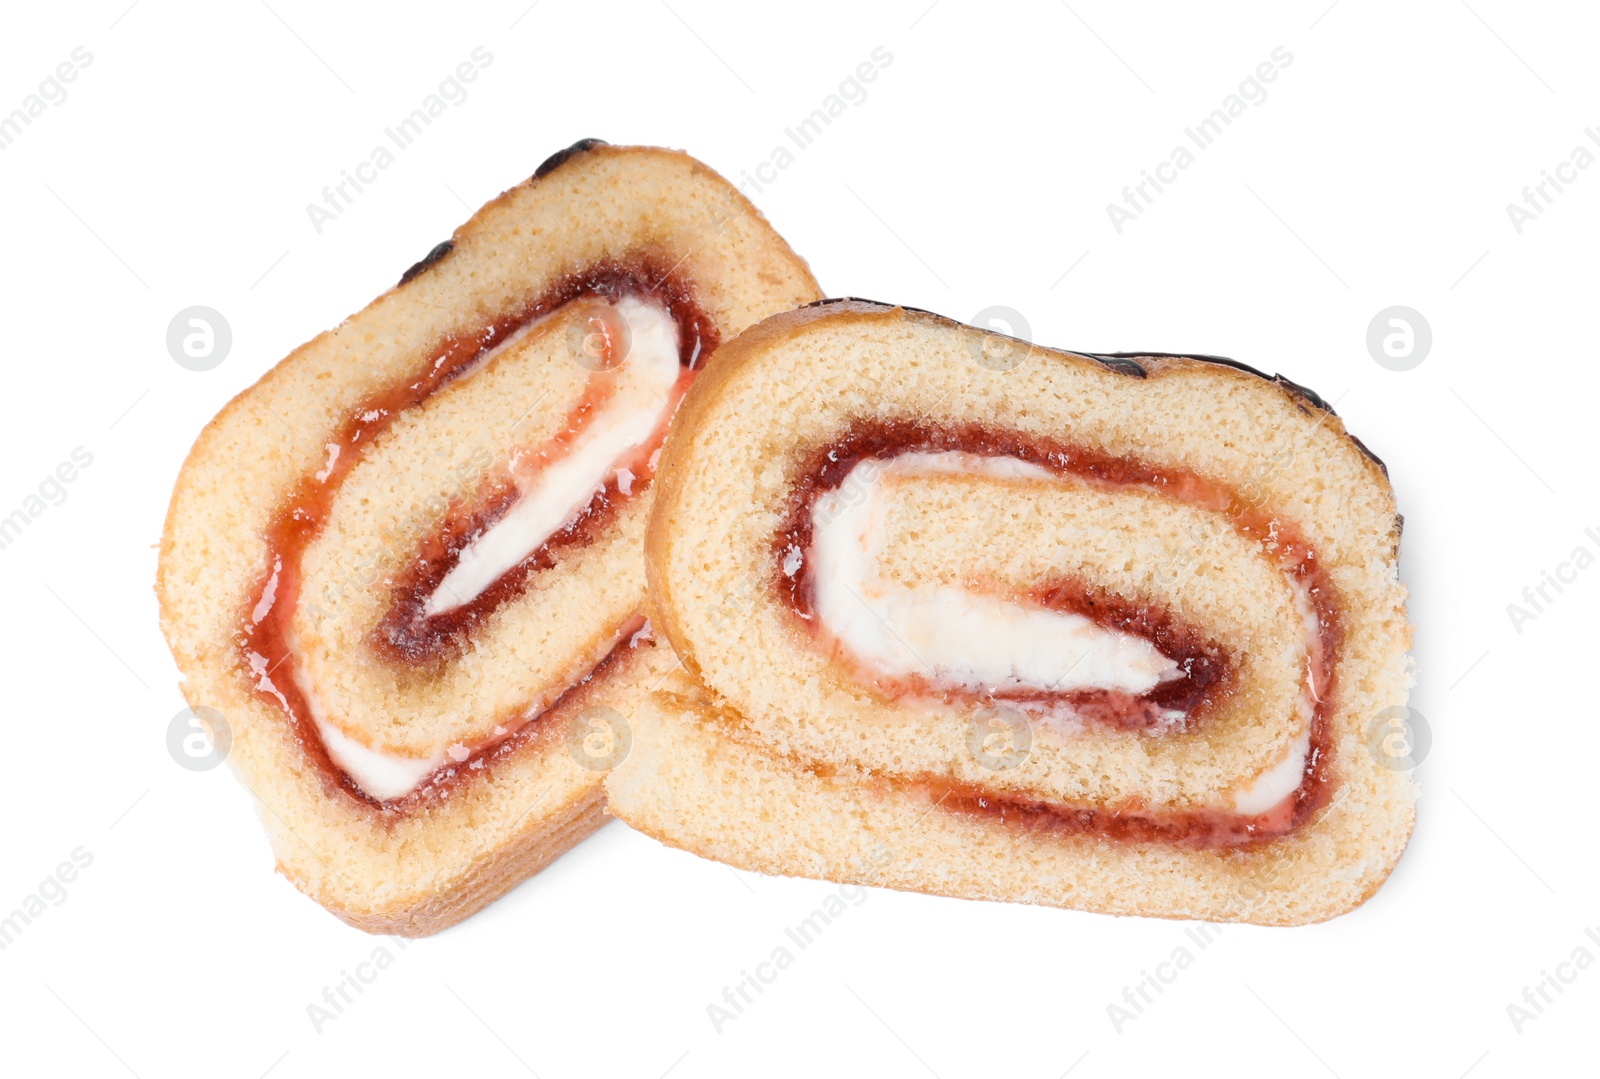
x: 975, y: 173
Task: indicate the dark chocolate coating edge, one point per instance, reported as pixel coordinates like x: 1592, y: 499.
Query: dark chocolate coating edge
x: 440, y: 250
x: 560, y: 157
x: 826, y: 300
x: 549, y: 165
x: 1127, y: 363
x: 1123, y: 363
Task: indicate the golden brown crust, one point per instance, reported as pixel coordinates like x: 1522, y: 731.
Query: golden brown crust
x: 491, y: 876
x: 688, y: 785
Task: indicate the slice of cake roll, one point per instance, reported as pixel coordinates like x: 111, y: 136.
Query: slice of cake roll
x: 406, y: 567
x: 962, y: 615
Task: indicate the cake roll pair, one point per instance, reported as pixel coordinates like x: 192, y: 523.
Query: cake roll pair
x: 603, y: 509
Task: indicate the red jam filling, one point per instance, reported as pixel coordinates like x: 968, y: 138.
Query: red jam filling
x: 408, y: 635
x: 404, y: 635
x: 1207, y: 669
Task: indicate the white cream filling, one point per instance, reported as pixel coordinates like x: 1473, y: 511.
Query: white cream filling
x: 628, y: 419
x: 951, y: 635
x: 1283, y: 778
x: 557, y: 492
x: 986, y: 643
x: 1277, y: 782
x: 382, y: 775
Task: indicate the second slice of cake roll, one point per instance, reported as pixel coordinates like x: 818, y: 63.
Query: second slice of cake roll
x: 968, y: 616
